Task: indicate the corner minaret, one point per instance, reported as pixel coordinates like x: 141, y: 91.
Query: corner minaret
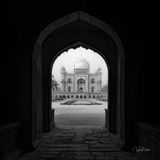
x: 63, y: 82
x: 99, y: 79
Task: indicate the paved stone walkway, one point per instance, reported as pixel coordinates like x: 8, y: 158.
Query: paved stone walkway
x: 78, y: 144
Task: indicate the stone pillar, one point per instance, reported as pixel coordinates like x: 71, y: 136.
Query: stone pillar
x: 86, y: 83
x: 63, y: 83
x: 52, y: 118
x: 99, y: 83
x: 106, y: 117
x: 76, y: 83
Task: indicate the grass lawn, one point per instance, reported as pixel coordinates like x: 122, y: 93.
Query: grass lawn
x: 79, y: 115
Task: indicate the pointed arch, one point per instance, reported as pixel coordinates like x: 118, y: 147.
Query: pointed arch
x: 40, y: 113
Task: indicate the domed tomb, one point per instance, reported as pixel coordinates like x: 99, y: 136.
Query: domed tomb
x: 81, y: 65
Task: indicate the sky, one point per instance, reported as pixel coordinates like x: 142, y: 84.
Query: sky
x: 68, y: 58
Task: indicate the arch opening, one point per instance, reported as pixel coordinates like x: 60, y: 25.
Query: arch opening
x: 83, y: 71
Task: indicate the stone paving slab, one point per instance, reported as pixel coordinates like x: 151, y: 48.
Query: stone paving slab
x: 78, y: 144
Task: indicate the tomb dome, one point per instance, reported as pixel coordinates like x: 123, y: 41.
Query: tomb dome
x: 81, y: 64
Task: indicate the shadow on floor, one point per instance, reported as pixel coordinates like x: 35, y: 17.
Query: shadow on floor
x: 78, y: 143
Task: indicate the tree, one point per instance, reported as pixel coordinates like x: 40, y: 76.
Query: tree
x: 54, y: 83
x: 104, y: 89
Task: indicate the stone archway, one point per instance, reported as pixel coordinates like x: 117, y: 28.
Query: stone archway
x: 80, y: 89
x: 81, y: 85
x: 41, y: 74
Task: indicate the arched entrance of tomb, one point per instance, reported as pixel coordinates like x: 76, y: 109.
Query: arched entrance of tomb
x: 71, y: 30
x: 81, y: 85
x: 80, y: 89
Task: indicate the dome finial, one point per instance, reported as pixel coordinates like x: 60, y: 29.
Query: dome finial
x: 99, y: 70
x: 63, y: 69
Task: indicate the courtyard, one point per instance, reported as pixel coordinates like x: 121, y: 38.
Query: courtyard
x: 89, y: 112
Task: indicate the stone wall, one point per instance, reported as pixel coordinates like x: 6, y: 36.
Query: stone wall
x: 9, y: 140
x: 149, y: 137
